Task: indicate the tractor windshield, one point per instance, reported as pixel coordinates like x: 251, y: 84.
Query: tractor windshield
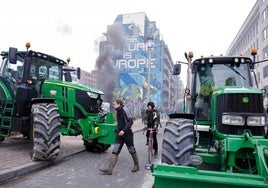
x: 12, y: 73
x: 222, y: 75
x: 209, y: 77
x: 40, y: 70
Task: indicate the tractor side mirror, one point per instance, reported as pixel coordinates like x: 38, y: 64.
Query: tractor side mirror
x: 78, y: 73
x: 177, y: 69
x: 12, y: 55
x: 67, y: 76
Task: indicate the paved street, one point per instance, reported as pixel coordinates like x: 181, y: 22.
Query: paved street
x: 16, y: 158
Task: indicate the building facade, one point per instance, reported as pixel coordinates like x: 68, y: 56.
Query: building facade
x: 142, y: 61
x: 254, y: 34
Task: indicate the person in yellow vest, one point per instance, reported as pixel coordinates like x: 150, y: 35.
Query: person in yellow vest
x: 207, y: 87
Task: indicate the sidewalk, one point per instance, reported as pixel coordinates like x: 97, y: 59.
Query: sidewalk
x: 15, y: 157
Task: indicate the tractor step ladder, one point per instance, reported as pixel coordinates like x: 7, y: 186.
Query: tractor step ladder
x: 6, y: 116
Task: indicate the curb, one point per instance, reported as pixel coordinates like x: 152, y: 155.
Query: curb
x: 29, y: 167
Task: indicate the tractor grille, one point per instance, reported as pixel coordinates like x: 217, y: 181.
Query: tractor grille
x: 232, y: 103
x: 89, y: 104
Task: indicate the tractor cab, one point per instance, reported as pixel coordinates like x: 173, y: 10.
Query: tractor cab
x: 24, y: 72
x: 212, y: 73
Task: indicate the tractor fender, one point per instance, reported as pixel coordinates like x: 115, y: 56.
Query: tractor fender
x: 182, y: 115
x: 42, y: 100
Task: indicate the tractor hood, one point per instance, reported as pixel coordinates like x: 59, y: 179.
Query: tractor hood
x: 233, y: 89
x: 71, y: 85
x: 73, y: 99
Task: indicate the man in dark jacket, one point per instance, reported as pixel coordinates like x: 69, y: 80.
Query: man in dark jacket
x: 151, y: 119
x: 124, y: 136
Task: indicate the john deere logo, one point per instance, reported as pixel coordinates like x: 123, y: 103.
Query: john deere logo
x: 245, y: 100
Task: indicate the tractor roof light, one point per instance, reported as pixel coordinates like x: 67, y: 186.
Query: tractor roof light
x: 253, y: 51
x: 236, y: 60
x: 68, y: 60
x: 190, y: 54
x: 28, y: 45
x: 239, y: 60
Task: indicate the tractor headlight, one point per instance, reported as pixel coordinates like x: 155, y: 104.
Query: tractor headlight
x: 256, y: 120
x: 92, y: 95
x: 232, y: 119
x: 102, y: 97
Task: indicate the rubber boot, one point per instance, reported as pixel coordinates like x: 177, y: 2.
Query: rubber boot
x: 110, y: 169
x: 136, y: 162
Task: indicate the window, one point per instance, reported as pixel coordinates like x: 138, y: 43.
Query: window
x: 265, y: 71
x: 43, y: 69
x: 264, y: 34
x: 265, y: 52
x: 264, y: 14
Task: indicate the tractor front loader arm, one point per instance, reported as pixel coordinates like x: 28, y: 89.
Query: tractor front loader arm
x: 261, y: 154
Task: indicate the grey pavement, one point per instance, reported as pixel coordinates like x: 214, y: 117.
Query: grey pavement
x: 15, y: 156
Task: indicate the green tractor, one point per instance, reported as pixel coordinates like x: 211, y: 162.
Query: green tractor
x: 36, y: 102
x: 220, y: 137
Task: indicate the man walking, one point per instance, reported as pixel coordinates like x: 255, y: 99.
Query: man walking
x: 124, y: 136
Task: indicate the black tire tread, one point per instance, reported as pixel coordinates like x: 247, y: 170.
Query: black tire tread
x: 46, y: 131
x: 178, y: 141
x: 95, y: 146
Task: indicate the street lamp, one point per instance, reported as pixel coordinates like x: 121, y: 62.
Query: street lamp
x: 149, y: 39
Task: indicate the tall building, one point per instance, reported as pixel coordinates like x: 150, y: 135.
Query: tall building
x: 254, y: 34
x: 88, y: 79
x: 141, y: 61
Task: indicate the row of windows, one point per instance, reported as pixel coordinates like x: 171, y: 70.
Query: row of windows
x: 265, y: 33
x: 248, y: 37
x: 264, y: 14
x: 265, y: 52
x: 265, y: 71
x: 265, y: 49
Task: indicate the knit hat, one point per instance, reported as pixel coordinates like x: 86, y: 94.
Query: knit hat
x: 151, y: 104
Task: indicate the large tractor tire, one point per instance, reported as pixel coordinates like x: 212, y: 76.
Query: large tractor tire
x: 2, y: 138
x: 95, y: 146
x: 45, y: 131
x: 178, y: 142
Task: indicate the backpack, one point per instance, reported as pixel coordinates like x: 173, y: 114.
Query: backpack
x: 129, y: 118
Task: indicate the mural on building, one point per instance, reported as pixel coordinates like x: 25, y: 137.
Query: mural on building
x: 126, y: 48
x: 133, y: 68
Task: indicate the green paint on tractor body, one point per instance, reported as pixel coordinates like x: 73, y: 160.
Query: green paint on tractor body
x: 220, y: 137
x: 39, y: 100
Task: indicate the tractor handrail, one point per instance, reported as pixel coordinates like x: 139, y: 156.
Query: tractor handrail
x: 260, y: 152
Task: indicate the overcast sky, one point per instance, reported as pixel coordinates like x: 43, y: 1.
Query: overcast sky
x: 73, y: 28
